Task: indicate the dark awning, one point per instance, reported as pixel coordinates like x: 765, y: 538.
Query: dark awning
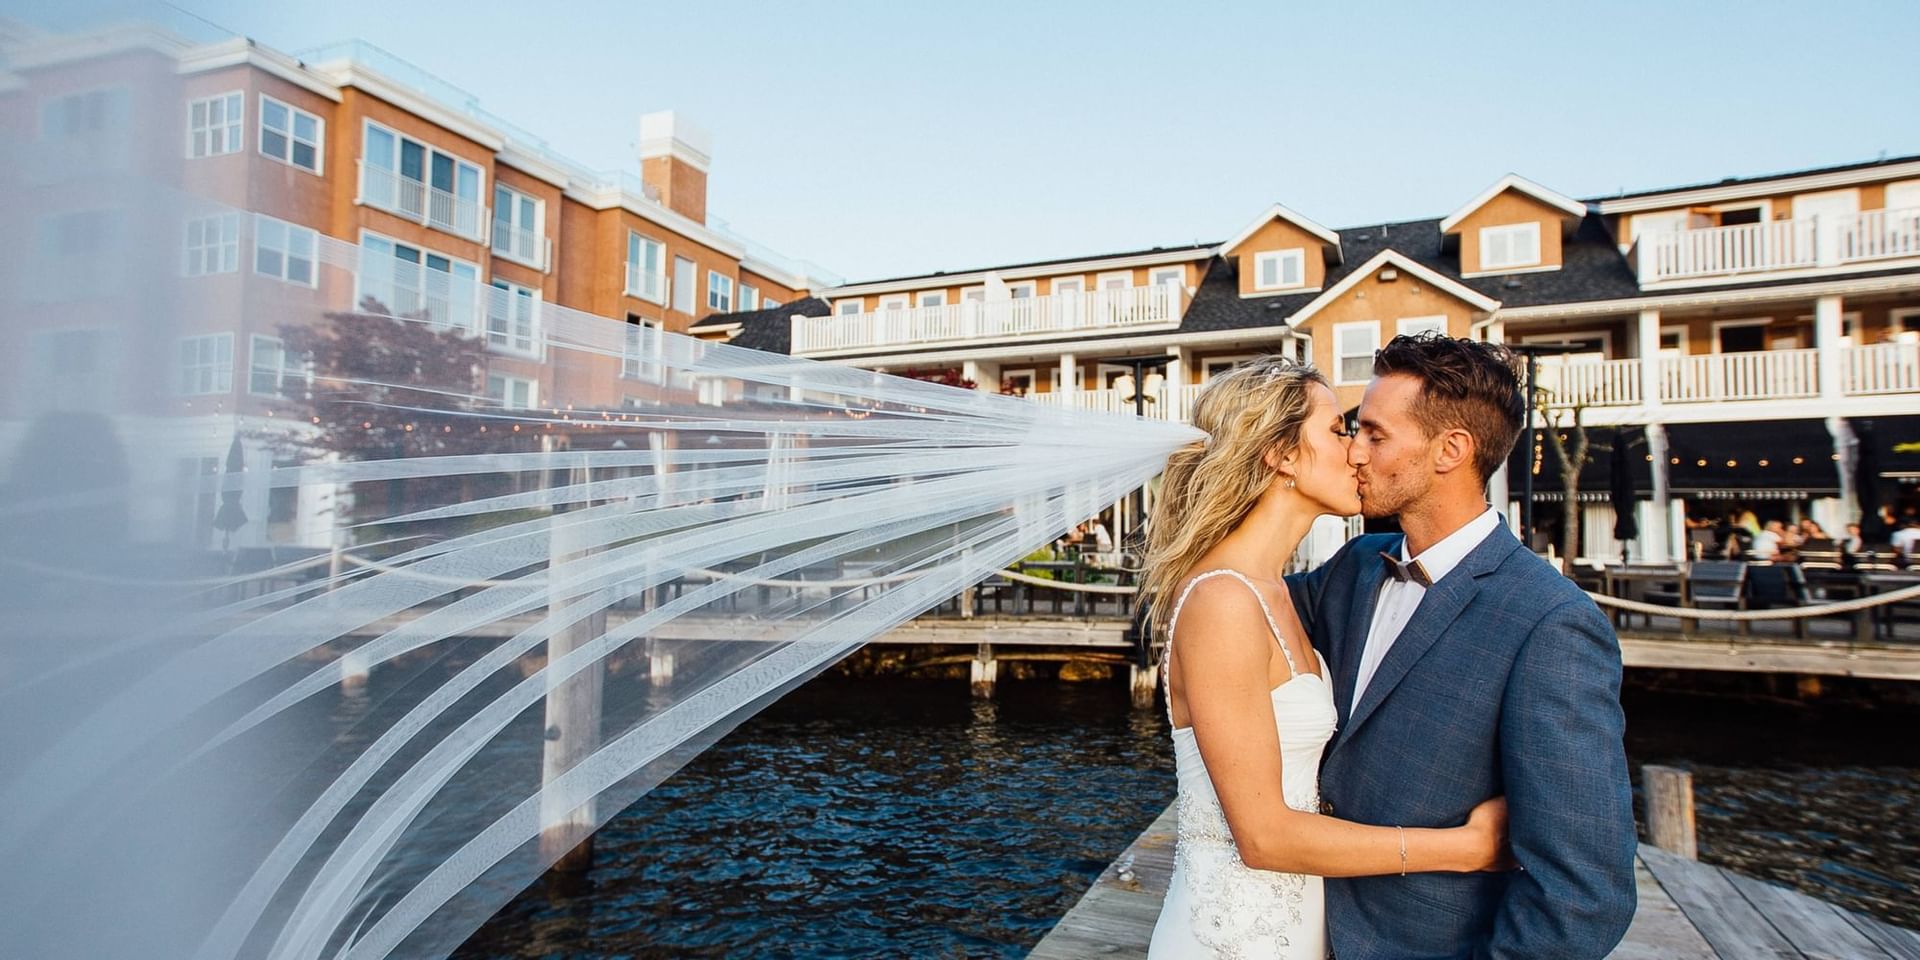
x: 1595, y: 476
x: 1752, y: 458
x: 1896, y: 442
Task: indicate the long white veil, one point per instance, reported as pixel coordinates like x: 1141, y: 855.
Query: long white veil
x: 341, y: 595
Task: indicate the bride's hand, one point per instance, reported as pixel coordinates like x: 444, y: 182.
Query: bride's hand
x: 1488, y: 826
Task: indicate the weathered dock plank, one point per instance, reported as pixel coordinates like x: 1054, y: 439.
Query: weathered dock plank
x: 1688, y: 911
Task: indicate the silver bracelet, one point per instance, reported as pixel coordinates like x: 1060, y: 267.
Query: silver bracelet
x: 1403, y: 849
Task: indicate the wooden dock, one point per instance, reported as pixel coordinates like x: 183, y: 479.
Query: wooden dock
x: 1688, y: 911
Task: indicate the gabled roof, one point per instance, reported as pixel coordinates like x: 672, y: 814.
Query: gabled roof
x: 1393, y: 258
x: 769, y: 329
x: 1326, y: 236
x: 1513, y: 181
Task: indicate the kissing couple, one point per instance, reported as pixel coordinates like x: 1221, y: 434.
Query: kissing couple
x: 1414, y: 751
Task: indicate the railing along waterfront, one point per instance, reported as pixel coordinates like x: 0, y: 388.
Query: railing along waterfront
x: 416, y: 200
x: 997, y: 319
x: 1778, y: 245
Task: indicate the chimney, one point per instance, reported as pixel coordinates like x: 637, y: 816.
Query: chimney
x: 674, y: 154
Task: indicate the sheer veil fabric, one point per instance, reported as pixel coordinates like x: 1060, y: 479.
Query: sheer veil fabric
x: 342, y: 592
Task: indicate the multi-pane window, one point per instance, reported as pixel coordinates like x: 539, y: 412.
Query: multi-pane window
x: 719, y: 291
x: 1415, y: 326
x: 1353, y: 348
x: 284, y: 250
x: 206, y: 364
x: 1512, y: 245
x: 640, y: 353
x: 215, y: 124
x: 512, y: 318
x: 289, y: 134
x: 1177, y: 276
x: 412, y: 282
x: 1279, y: 269
x: 512, y: 393
x: 213, y: 245
x: 420, y: 182
x: 848, y: 308
x: 749, y: 297
x: 516, y: 226
x: 646, y: 268
x: 275, y: 371
x: 88, y: 114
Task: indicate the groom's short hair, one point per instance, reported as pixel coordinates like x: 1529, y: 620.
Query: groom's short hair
x: 1464, y: 384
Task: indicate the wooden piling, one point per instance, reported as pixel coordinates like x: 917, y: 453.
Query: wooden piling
x: 1143, y: 681
x: 572, y: 707
x: 985, y: 670
x: 1669, y: 793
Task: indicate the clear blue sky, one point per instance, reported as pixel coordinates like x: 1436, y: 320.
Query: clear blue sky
x: 882, y: 138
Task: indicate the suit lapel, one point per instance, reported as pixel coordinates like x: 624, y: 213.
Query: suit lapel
x: 1442, y: 605
x: 1366, y: 590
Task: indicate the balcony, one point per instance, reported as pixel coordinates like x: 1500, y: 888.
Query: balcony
x: 1166, y: 403
x: 411, y: 199
x: 1776, y: 245
x: 523, y: 246
x: 970, y: 321
x: 409, y: 290
x: 1878, y: 370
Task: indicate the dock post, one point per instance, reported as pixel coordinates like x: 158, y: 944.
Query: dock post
x: 1143, y: 680
x: 659, y: 663
x: 1670, y: 809
x: 985, y: 671
x: 573, y: 705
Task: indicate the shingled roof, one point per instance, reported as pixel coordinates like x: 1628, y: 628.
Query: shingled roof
x: 769, y: 330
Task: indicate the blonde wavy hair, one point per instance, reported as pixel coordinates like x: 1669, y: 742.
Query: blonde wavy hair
x: 1209, y: 486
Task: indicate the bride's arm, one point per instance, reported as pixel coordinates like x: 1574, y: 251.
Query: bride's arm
x: 1223, y: 651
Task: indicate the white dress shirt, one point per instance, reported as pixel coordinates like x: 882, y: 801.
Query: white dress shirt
x: 1399, y: 599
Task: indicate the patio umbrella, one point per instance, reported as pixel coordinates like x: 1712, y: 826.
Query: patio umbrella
x: 1626, y: 525
x: 1866, y: 482
x: 231, y: 516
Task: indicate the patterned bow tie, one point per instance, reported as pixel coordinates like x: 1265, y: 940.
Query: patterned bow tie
x: 1403, y: 572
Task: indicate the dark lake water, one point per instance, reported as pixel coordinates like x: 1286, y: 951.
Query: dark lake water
x: 892, y: 818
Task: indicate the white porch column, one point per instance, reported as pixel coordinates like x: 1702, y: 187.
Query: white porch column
x: 985, y: 376
x: 1663, y: 540
x: 1069, y: 372
x: 1828, y: 328
x: 1173, y: 399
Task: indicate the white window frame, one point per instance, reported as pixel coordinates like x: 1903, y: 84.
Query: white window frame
x: 481, y: 193
x: 749, y: 297
x: 518, y: 326
x: 1897, y: 321
x: 1679, y: 329
x: 1032, y: 288
x: 647, y: 277
x: 634, y: 362
x: 1719, y: 325
x: 318, y: 143
x: 1529, y: 230
x: 1079, y: 285
x: 293, y: 237
x: 1372, y: 327
x: 232, y: 127
x: 1297, y: 256
x: 1406, y: 325
x: 858, y: 306
x: 206, y: 255
x: 210, y: 376
x: 504, y: 396
x: 1160, y: 275
x: 1233, y: 360
x: 769, y: 303
x: 719, y: 292
x: 300, y: 371
x: 111, y: 100
x: 930, y: 298
x: 511, y: 220
x: 463, y: 316
x: 1124, y: 276
x: 892, y: 301
x: 1604, y: 336
x: 973, y: 294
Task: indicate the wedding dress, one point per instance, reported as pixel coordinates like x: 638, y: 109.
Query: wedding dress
x: 1217, y: 906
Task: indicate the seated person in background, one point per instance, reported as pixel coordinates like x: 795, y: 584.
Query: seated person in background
x: 1769, y: 541
x: 1810, y: 530
x: 1907, y: 538
x: 1852, y: 542
x: 1102, y: 540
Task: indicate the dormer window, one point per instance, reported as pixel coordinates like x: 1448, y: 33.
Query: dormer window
x: 1279, y: 269
x: 1510, y: 245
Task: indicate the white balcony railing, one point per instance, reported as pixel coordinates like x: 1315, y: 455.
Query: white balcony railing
x: 1166, y: 403
x: 1778, y: 245
x: 1759, y: 375
x: 413, y: 199
x: 646, y: 284
x: 1590, y: 383
x: 999, y: 319
x: 524, y: 245
x: 408, y: 289
x: 1882, y: 368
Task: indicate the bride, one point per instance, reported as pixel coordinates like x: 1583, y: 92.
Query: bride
x: 1248, y: 696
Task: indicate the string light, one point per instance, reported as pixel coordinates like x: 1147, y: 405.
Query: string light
x: 1763, y: 463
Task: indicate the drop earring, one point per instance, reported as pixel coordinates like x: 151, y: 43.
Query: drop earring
x: 1289, y: 483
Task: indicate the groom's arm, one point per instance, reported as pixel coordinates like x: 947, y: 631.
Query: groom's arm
x: 1564, y: 767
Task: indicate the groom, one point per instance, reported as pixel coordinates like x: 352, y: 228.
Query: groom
x: 1466, y: 668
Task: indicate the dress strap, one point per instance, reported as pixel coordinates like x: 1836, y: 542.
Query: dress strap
x: 1292, y: 669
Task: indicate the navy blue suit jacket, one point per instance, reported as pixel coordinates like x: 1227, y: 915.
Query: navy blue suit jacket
x: 1505, y: 681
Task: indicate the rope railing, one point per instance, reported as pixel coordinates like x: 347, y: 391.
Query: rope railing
x: 1787, y: 613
